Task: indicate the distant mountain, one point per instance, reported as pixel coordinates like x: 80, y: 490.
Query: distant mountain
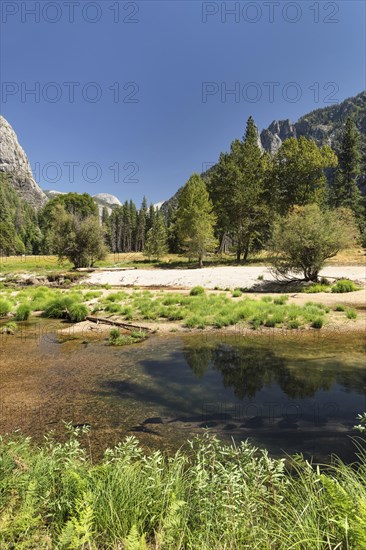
x: 105, y: 200
x: 322, y: 125
x: 14, y: 162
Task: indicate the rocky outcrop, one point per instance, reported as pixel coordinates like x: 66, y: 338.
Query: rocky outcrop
x: 323, y: 125
x: 107, y: 199
x: 273, y: 136
x: 13, y: 161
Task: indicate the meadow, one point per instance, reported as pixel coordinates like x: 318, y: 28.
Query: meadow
x: 197, y: 310
x: 46, y: 264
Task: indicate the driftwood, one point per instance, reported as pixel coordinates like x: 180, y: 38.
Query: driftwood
x: 116, y: 323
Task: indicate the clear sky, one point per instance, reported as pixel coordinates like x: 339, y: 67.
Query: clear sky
x: 132, y: 97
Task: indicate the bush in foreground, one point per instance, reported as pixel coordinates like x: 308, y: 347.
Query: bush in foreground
x: 5, y: 307
x: 209, y: 497
x: 307, y: 237
x: 23, y: 312
x: 197, y: 291
x: 344, y: 285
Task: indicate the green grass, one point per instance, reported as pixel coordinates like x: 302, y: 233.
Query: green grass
x: 77, y: 313
x: 197, y: 291
x: 317, y: 323
x: 351, y: 313
x: 23, y: 312
x: 5, y: 307
x: 196, y: 311
x: 236, y: 293
x: 344, y: 285
x: 318, y: 287
x: 118, y: 339
x: 208, y: 497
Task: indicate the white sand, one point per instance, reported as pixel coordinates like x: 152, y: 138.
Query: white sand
x: 209, y: 277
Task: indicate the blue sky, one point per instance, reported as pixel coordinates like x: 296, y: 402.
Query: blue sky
x: 139, y: 116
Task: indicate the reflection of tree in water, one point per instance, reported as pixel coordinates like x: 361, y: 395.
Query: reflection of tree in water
x: 198, y: 359
x: 247, y: 369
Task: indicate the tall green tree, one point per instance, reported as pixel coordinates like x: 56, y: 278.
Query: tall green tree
x: 141, y: 226
x: 156, y: 242
x: 299, y: 173
x: 81, y: 206
x: 345, y: 190
x: 238, y: 192
x: 195, y: 219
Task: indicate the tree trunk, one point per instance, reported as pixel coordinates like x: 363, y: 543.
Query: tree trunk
x: 200, y: 261
x: 246, y: 251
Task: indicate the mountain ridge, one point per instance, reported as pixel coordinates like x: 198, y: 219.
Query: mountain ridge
x: 323, y: 125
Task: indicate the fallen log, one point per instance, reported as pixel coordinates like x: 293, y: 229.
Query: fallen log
x: 116, y: 323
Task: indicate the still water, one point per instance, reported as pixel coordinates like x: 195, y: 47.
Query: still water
x: 289, y: 394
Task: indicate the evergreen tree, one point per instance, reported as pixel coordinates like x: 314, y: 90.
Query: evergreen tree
x: 299, y: 173
x: 345, y: 191
x: 195, y: 219
x: 156, y: 241
x: 151, y: 217
x: 141, y: 226
x: 19, y: 230
x: 173, y: 238
x: 237, y: 189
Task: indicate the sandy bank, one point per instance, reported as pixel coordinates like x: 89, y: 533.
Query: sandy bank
x: 209, y: 277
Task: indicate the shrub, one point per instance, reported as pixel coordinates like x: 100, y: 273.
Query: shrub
x: 118, y: 339
x: 197, y: 291
x: 5, y: 307
x: 307, y: 237
x: 91, y: 294
x: 340, y: 307
x: 57, y: 308
x: 317, y: 323
x: 9, y: 328
x: 280, y: 300
x: 23, y: 312
x: 313, y: 289
x: 236, y: 293
x: 113, y: 307
x: 77, y: 313
x: 344, y: 285
x: 293, y: 324
x: 351, y: 313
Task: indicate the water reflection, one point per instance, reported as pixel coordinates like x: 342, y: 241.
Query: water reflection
x: 248, y: 369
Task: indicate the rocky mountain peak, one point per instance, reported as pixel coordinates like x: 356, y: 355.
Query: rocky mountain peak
x: 13, y: 161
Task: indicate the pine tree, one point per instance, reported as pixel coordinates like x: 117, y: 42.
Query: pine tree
x: 195, y: 219
x: 299, y: 173
x: 345, y: 191
x: 237, y: 189
x: 141, y: 226
x: 156, y: 241
x: 151, y: 217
